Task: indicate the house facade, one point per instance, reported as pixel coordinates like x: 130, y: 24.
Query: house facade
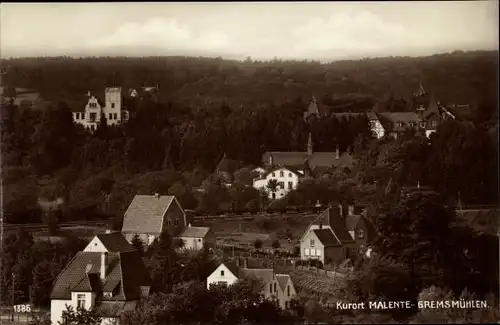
x: 112, y: 109
x: 336, y: 235
x: 195, y: 238
x: 109, y: 282
x: 274, y: 286
x: 149, y: 215
x: 287, y: 179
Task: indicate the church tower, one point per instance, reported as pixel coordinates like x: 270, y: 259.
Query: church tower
x: 309, y: 145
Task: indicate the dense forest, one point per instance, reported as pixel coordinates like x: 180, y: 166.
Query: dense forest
x: 210, y: 107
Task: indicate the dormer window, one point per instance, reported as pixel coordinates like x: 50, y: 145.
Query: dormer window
x: 108, y: 295
x: 434, y: 123
x: 361, y: 233
x: 401, y: 124
x: 282, y: 174
x: 422, y: 124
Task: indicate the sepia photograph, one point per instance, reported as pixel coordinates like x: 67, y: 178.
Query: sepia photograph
x: 249, y: 163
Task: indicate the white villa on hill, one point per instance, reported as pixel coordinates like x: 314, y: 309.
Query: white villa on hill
x: 287, y: 179
x: 111, y: 108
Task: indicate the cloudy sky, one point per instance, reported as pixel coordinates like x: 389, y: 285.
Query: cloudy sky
x: 323, y: 31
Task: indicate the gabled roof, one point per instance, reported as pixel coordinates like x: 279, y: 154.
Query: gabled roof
x: 352, y: 222
x: 231, y: 266
x: 195, y: 232
x: 145, y: 213
x: 82, y: 273
x: 115, y: 242
x: 283, y: 280
x: 331, y: 217
x: 326, y: 237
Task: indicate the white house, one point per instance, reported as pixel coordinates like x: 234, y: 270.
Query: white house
x: 111, y: 108
x: 195, y: 238
x: 108, y: 276
x: 275, y: 286
x: 287, y: 178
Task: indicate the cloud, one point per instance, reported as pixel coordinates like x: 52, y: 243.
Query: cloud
x: 161, y: 33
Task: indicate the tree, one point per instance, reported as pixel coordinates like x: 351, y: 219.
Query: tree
x: 257, y: 244
x: 275, y: 244
x: 272, y: 186
x: 161, y: 263
x: 137, y: 243
x: 42, y: 283
x: 81, y: 316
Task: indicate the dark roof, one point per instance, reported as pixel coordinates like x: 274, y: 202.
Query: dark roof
x: 391, y: 120
x: 195, y: 232
x: 233, y: 267
x: 227, y: 165
x: 331, y: 217
x: 82, y: 273
x: 317, y: 159
x: 145, y: 214
x: 461, y: 112
x: 265, y: 275
x: 115, y: 242
x: 352, y: 221
x: 326, y: 237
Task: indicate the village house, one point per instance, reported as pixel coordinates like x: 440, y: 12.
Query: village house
x: 149, y: 215
x: 109, y: 276
x: 336, y: 235
x: 195, y: 238
x: 21, y: 97
x: 112, y: 109
x: 274, y: 286
x: 226, y: 169
x: 286, y: 179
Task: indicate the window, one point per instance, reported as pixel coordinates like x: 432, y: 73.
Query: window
x: 112, y: 105
x: 115, y: 116
x: 273, y: 175
x: 306, y: 251
x: 361, y: 233
x: 288, y: 291
x: 80, y: 300
x: 290, y: 185
x: 151, y: 239
x: 282, y: 174
x: 270, y: 287
x: 108, y: 294
x: 222, y: 282
x: 93, y: 117
x: 434, y: 123
x: 422, y: 124
x: 401, y: 124
x: 287, y: 304
x: 199, y: 239
x: 318, y: 252
x: 275, y: 287
x: 222, y: 273
x: 281, y: 185
x: 110, y: 116
x: 289, y: 174
x: 169, y: 222
x: 411, y: 124
x: 176, y: 221
x: 311, y: 242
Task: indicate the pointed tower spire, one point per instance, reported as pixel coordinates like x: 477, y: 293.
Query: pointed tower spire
x: 309, y: 145
x: 337, y: 153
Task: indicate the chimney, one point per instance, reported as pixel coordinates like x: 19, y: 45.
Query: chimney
x: 341, y: 209
x: 337, y: 153
x: 238, y: 262
x: 351, y: 210
x: 108, y: 231
x: 157, y: 195
x: 104, y: 262
x: 88, y: 268
x: 245, y: 264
